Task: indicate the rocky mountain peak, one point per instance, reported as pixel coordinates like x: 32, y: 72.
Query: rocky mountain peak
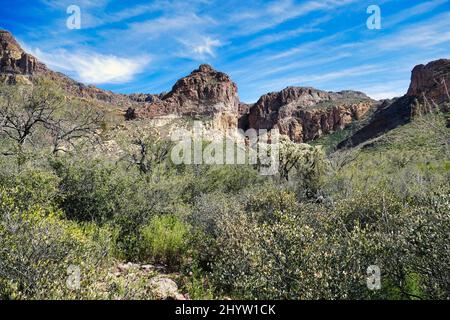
x: 9, y: 45
x: 204, y: 85
x: 13, y: 60
x: 205, y: 93
x: 428, y: 89
x: 206, y: 68
x: 431, y: 81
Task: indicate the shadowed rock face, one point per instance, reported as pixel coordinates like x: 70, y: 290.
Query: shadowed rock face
x: 305, y: 114
x: 428, y: 88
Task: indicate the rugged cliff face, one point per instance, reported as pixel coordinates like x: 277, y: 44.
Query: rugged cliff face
x: 305, y: 114
x: 205, y: 93
x: 13, y: 60
x: 428, y: 90
x: 431, y: 81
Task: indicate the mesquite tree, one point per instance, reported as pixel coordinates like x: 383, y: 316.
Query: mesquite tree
x: 41, y: 116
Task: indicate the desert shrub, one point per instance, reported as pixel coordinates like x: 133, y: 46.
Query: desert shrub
x: 125, y: 199
x: 38, y: 247
x: 210, y: 208
x: 428, y: 240
x: 164, y: 239
x: 203, y: 179
x: 32, y: 187
x: 269, y: 200
x: 91, y: 190
x: 230, y: 178
x: 280, y: 249
x: 198, y: 284
x: 148, y: 152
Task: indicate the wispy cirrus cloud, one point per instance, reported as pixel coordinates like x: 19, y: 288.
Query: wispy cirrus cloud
x: 278, y: 12
x: 169, y: 25
x: 410, y: 13
x: 207, y: 47
x: 58, y: 4
x: 263, y: 45
x: 318, y: 79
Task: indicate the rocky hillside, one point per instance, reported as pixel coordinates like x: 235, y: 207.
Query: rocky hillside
x: 204, y: 93
x: 305, y: 114
x: 428, y: 90
x: 429, y: 83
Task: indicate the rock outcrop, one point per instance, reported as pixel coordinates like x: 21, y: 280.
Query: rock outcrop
x: 428, y: 90
x: 13, y: 60
x: 431, y: 81
x: 305, y: 114
x: 205, y: 93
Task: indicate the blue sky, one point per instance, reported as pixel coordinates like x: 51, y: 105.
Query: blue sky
x: 145, y: 46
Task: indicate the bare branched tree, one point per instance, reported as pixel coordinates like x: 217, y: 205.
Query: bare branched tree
x: 76, y: 126
x: 147, y: 152
x: 24, y: 109
x: 34, y: 113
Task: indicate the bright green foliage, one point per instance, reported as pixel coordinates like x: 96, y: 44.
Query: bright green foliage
x: 164, y: 239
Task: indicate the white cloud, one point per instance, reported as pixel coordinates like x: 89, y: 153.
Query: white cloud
x: 318, y: 79
x: 207, y: 47
x: 93, y: 68
x: 199, y: 47
x: 386, y: 90
x: 386, y: 94
x: 169, y: 25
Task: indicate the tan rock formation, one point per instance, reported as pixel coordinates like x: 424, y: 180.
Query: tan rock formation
x: 305, y: 114
x: 204, y: 94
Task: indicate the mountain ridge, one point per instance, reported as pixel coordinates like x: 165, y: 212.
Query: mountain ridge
x: 302, y: 113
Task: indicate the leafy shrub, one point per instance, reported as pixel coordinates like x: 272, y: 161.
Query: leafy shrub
x: 33, y: 187
x: 164, y: 239
x: 38, y: 247
x: 279, y: 249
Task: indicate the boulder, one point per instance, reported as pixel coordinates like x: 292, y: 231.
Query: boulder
x: 165, y: 289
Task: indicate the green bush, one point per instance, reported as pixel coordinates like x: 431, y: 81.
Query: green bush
x: 38, y: 247
x: 164, y: 240
x: 33, y: 187
x: 279, y: 249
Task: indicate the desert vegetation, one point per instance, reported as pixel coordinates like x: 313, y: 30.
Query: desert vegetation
x: 310, y: 232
